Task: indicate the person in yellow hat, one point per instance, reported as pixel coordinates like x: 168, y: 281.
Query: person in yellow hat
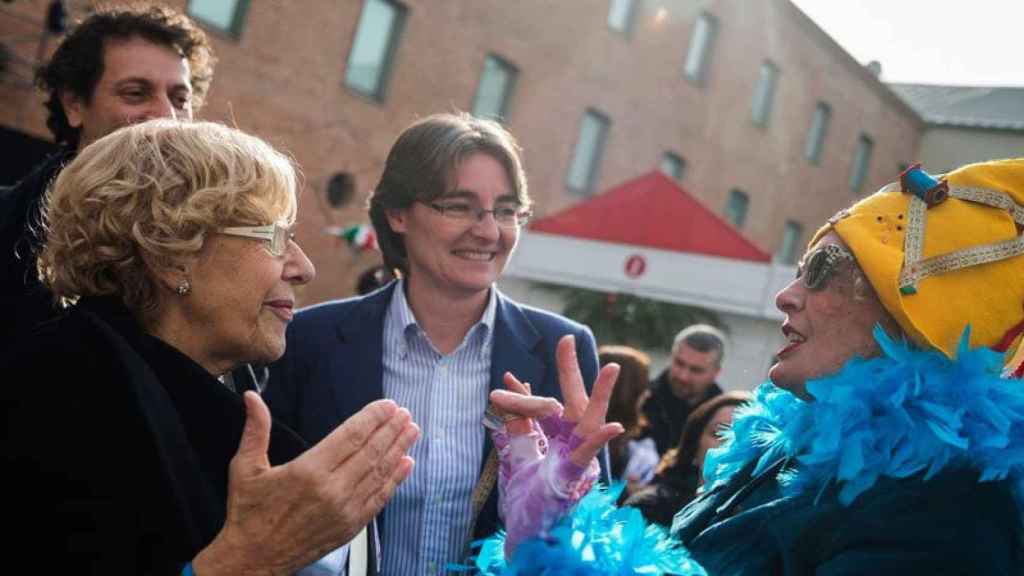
x: 890, y: 438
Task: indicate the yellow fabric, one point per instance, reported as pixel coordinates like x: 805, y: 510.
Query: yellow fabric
x: 989, y: 297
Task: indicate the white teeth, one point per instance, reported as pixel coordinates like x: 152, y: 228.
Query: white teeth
x: 794, y: 337
x: 483, y: 256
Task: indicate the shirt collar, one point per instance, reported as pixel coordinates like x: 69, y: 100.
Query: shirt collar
x: 403, y: 323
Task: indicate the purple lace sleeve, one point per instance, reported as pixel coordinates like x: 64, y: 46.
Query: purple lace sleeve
x: 537, y: 482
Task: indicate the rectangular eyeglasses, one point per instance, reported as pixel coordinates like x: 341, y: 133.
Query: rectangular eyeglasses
x: 275, y: 235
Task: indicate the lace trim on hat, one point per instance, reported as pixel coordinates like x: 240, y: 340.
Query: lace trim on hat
x: 990, y: 198
x: 915, y: 269
x: 913, y: 245
x: 968, y: 257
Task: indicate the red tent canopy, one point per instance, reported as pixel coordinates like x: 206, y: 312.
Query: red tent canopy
x: 652, y: 211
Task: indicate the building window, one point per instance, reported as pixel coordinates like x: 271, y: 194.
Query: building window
x: 816, y: 136
x: 620, y: 16
x: 861, y: 160
x: 787, y: 253
x: 495, y: 88
x: 376, y: 40
x: 587, y: 156
x: 704, y: 31
x: 764, y: 93
x: 673, y: 166
x: 736, y: 209
x: 224, y: 15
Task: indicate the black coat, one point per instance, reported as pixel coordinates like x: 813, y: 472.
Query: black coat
x: 117, y: 448
x: 950, y: 524
x: 28, y: 301
x: 664, y: 415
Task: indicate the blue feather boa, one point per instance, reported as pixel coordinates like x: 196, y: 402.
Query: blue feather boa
x: 596, y: 539
x: 905, y: 412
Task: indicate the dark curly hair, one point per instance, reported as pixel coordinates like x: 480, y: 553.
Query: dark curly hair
x: 77, y: 64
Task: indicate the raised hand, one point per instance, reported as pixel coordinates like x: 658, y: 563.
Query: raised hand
x: 281, y: 518
x: 548, y: 451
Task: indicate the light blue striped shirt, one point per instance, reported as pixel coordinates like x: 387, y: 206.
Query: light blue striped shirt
x: 426, y: 524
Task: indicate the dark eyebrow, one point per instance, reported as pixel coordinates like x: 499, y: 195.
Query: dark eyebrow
x: 457, y: 195
x: 133, y: 80
x: 467, y: 195
x: 149, y: 83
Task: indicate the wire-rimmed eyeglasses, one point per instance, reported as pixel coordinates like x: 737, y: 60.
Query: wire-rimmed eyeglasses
x: 506, y: 215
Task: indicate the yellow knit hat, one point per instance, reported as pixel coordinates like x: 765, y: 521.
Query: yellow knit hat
x: 945, y: 254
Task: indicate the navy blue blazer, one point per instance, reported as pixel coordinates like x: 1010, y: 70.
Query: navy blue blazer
x: 333, y: 365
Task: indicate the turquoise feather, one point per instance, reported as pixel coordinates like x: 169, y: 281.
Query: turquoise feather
x: 903, y: 413
x: 596, y: 539
x: 906, y: 412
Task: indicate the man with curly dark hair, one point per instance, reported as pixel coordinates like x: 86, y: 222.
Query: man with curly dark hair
x: 118, y: 66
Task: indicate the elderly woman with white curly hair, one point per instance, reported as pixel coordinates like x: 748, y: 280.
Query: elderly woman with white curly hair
x: 126, y: 452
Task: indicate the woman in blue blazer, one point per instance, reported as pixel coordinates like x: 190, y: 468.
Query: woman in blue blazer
x: 447, y: 212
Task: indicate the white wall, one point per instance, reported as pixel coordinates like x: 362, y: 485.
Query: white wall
x: 753, y: 343
x: 719, y: 284
x: 742, y: 293
x: 943, y: 149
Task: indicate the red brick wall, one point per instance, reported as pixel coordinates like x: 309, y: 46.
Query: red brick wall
x: 284, y: 81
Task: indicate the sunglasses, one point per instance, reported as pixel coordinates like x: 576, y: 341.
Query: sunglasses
x: 275, y: 235
x: 818, y: 266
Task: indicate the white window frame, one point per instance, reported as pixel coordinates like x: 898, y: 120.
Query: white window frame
x: 493, y: 62
x: 586, y: 157
x: 232, y: 28
x: 764, y: 93
x: 818, y: 132
x: 861, y: 162
x: 673, y: 165
x: 384, y: 53
x: 621, y: 16
x: 789, y: 246
x: 737, y: 208
x: 698, y: 55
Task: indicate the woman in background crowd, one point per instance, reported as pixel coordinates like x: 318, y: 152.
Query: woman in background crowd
x: 680, y: 473
x: 630, y: 385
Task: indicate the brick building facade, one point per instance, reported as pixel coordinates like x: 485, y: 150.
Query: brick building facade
x: 727, y: 91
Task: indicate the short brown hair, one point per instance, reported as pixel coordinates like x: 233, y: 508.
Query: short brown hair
x: 422, y: 162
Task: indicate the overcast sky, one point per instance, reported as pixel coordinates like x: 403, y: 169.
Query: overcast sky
x: 954, y: 42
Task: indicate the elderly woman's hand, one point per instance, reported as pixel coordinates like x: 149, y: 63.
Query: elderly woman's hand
x: 281, y: 518
x: 549, y: 463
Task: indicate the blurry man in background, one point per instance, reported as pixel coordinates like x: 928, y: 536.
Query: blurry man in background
x: 119, y: 66
x: 697, y: 354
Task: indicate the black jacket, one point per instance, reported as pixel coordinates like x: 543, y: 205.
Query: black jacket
x: 664, y: 414
x: 949, y: 524
x: 117, y: 448
x: 28, y: 301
